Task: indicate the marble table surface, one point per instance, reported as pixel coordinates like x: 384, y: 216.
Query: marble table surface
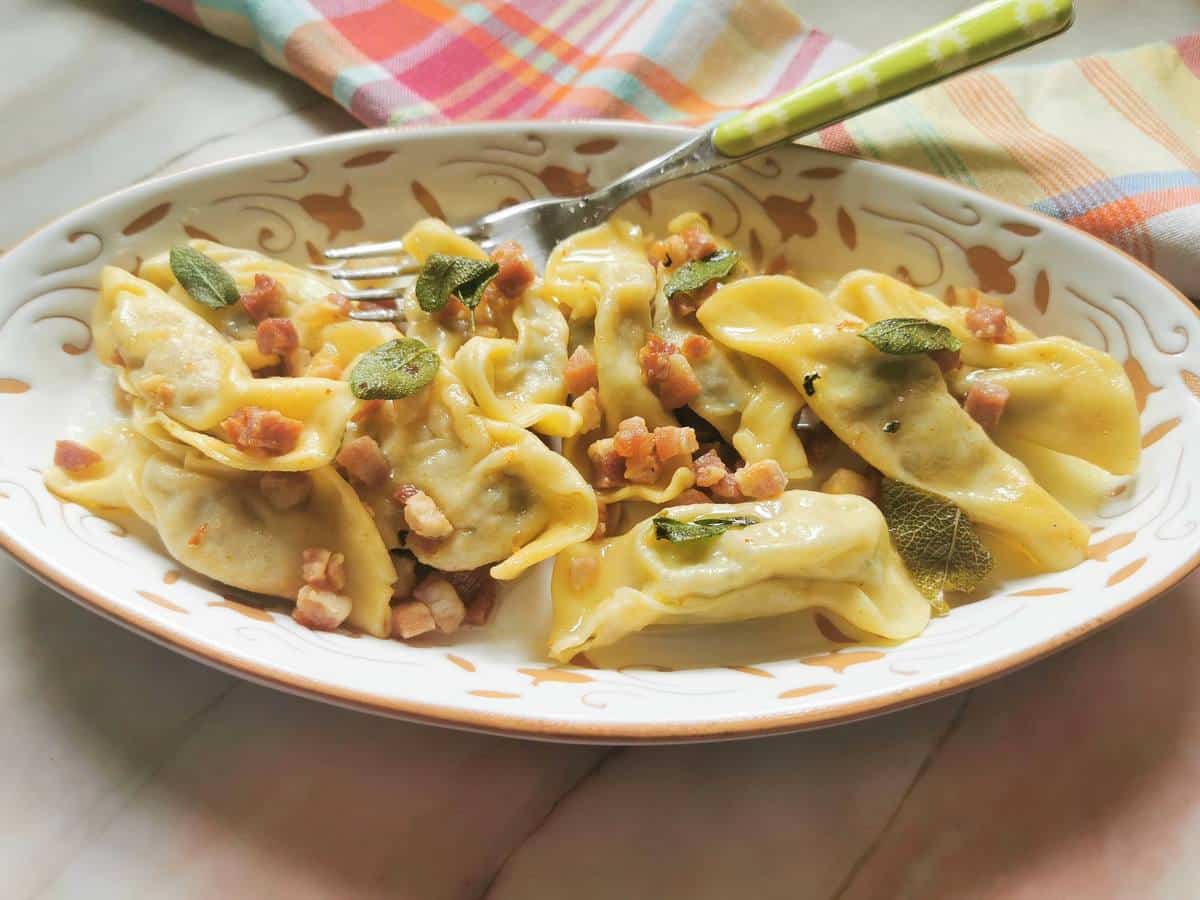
x: 129, y: 771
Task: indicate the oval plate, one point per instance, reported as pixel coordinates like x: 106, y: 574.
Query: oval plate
x: 793, y: 205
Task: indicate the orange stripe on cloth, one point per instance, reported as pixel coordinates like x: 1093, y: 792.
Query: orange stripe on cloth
x: 590, y: 19
x: 665, y: 85
x: 1110, y: 84
x: 603, y: 103
x: 511, y: 74
x: 1054, y: 165
x: 316, y: 52
x: 589, y: 63
x: 1100, y: 220
x: 837, y: 138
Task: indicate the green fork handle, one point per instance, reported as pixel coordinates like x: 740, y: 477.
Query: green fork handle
x: 976, y: 36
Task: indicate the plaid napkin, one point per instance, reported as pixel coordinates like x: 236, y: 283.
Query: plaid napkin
x: 1108, y: 143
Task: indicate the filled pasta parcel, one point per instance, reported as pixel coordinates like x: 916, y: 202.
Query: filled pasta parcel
x: 689, y: 444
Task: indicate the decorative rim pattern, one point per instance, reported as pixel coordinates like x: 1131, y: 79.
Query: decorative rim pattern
x: 934, y: 240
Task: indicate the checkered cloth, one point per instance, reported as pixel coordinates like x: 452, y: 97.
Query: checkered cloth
x: 1108, y: 143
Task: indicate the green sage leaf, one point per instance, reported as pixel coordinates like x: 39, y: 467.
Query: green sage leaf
x: 204, y: 280
x: 443, y: 275
x: 697, y: 273
x: 394, y: 370
x: 936, y: 541
x: 905, y: 337
x: 678, y: 532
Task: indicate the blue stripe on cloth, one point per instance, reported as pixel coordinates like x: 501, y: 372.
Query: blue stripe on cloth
x: 1082, y: 199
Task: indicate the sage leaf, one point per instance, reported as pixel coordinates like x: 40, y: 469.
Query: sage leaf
x: 697, y: 273
x: 905, y: 337
x: 443, y: 275
x: 204, y: 280
x: 936, y: 541
x: 394, y: 370
x: 678, y: 532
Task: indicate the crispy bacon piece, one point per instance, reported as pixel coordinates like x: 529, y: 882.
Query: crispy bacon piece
x: 642, y: 470
x: 685, y: 303
x: 404, y: 492
x: 670, y: 440
x: 653, y: 356
x: 668, y: 372
x: 319, y: 609
x: 635, y: 444
x: 323, y: 569
x: 267, y: 298
x: 581, y: 373
x: 763, y: 480
x: 479, y: 607
x: 681, y: 385
x: 988, y: 323
x: 477, y: 591
x: 608, y: 466
x: 276, y: 335
x: 695, y: 347
x: 443, y: 601
x: 285, y: 490
x: 710, y: 469
x: 985, y: 403
x: 74, y: 457
x: 587, y: 405
x: 425, y: 518
x: 412, y: 619
x: 947, y: 360
x: 471, y: 582
x: 516, y: 271
x: 262, y: 431
x: 364, y: 461
x: 727, y: 489
x: 669, y: 251
x: 633, y: 438
x: 694, y: 242
x: 699, y: 242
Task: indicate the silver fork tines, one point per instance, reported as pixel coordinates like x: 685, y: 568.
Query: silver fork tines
x: 390, y: 248
x: 405, y: 266
x: 387, y: 293
x: 377, y: 314
x: 359, y: 251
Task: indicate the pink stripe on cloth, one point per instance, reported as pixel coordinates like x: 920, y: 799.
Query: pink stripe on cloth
x: 415, y: 62
x: 553, y: 58
x: 837, y: 138
x: 1189, y: 51
x: 806, y: 56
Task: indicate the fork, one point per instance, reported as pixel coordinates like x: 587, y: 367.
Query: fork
x: 969, y: 39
